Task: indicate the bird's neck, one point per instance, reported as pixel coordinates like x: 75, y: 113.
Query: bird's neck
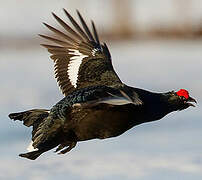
x: 155, y: 105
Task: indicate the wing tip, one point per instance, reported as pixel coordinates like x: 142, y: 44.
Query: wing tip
x: 66, y: 12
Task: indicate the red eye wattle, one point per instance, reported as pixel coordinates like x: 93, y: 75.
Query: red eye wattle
x: 183, y: 92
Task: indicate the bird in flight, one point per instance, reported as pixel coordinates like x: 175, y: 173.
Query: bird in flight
x: 96, y: 103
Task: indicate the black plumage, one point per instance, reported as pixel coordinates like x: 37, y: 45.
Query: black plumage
x: 96, y: 103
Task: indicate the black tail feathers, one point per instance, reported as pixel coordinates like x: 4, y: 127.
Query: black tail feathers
x: 33, y: 118
x: 30, y: 117
x: 32, y: 155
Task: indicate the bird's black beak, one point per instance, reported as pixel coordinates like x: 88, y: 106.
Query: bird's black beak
x: 189, y: 100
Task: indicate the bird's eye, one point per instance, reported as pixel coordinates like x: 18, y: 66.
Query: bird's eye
x: 183, y: 98
x: 172, y: 92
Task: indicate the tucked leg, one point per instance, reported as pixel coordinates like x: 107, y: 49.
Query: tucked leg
x: 70, y: 146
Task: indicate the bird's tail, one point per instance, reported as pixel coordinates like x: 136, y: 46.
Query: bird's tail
x: 33, y: 118
x: 32, y: 155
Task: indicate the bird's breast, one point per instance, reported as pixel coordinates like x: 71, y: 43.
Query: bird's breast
x: 102, y: 122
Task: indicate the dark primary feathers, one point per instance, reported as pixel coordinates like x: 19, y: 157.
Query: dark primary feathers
x: 80, y: 60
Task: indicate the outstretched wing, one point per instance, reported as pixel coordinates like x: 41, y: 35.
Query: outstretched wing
x: 80, y: 59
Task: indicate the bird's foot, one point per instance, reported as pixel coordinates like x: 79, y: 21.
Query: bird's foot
x: 61, y: 146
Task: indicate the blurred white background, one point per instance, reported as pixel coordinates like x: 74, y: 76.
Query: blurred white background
x: 155, y: 45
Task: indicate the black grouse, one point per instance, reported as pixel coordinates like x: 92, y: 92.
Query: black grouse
x: 96, y: 103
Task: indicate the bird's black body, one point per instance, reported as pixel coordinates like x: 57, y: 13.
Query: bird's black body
x: 101, y: 120
x: 96, y: 103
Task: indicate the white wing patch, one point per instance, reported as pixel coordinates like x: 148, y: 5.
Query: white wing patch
x: 74, y: 64
x: 116, y: 101
x: 94, y: 51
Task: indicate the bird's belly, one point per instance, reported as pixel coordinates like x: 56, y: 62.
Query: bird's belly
x: 99, y: 123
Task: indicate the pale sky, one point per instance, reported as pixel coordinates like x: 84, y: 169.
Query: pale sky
x: 169, y: 149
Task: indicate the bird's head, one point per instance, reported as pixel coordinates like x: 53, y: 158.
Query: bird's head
x: 181, y: 100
